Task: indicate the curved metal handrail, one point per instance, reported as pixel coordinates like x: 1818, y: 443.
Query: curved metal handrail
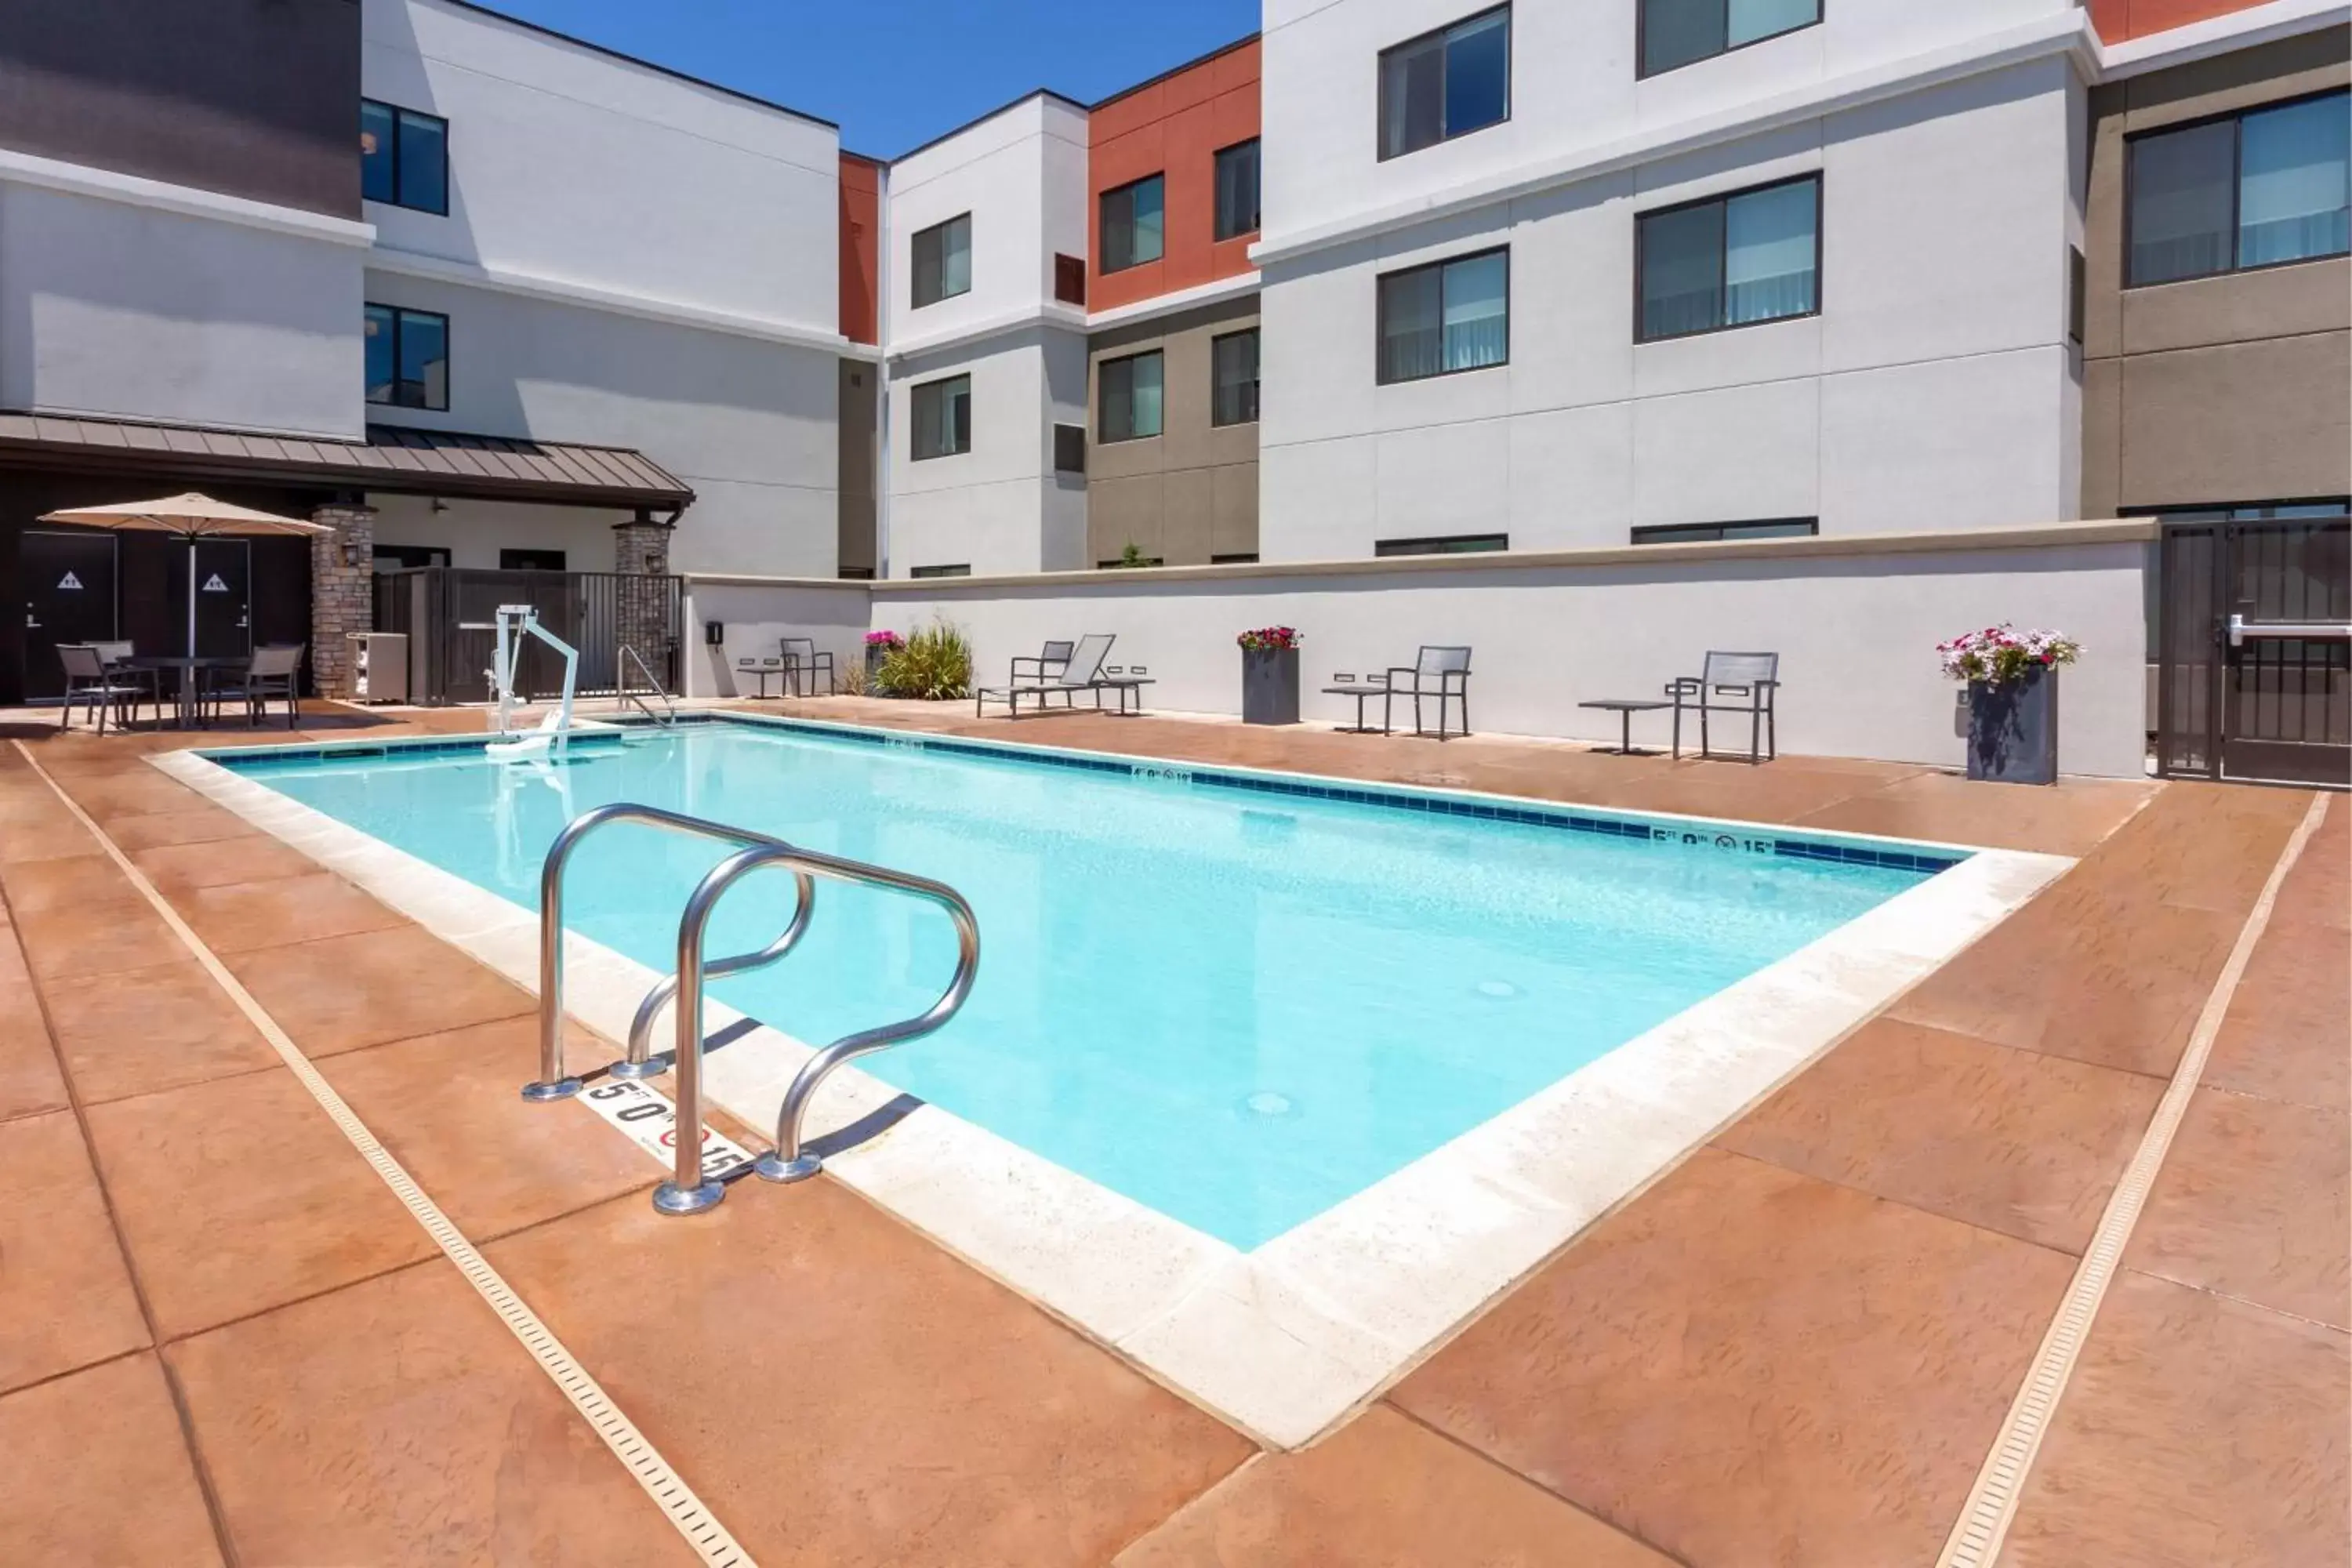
x: 554, y: 1083
x: 687, y: 1192
x: 639, y: 1060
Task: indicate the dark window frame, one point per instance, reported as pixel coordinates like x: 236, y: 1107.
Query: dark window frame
x: 512, y: 560
x: 2237, y: 117
x: 1065, y: 435
x: 395, y: 110
x: 1102, y: 226
x: 449, y: 357
x: 1746, y: 527
x: 1102, y: 433
x: 1642, y: 72
x: 915, y: 423
x: 1070, y: 279
x: 2225, y: 511
x: 1820, y: 208
x: 1380, y: 316
x: 961, y: 568
x: 1380, y: 83
x: 1250, y: 331
x: 1442, y: 544
x: 915, y: 270
x: 1218, y: 234
x: 1238, y: 558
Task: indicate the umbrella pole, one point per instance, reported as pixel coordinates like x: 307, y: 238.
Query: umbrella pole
x: 192, y: 596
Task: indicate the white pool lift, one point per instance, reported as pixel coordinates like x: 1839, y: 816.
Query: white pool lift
x: 553, y: 734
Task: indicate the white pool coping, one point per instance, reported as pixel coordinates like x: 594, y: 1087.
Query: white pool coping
x: 1282, y: 1340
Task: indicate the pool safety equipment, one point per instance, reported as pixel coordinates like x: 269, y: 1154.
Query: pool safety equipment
x: 514, y: 623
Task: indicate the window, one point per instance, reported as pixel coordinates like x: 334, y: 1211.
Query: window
x: 942, y: 417
x: 1070, y: 279
x: 408, y: 557
x: 856, y: 574
x: 963, y: 569
x: 1703, y: 533
x: 407, y: 357
x: 1124, y: 565
x: 1133, y: 226
x: 531, y: 560
x: 1678, y: 32
x: 1069, y: 449
x: 2260, y: 512
x: 2078, y: 294
x: 944, y: 261
x: 1130, y: 407
x: 2257, y: 189
x: 1233, y: 378
x: 1237, y: 189
x: 1448, y: 316
x: 1247, y: 558
x: 404, y: 157
x: 1447, y: 544
x: 1446, y: 84
x: 1729, y: 261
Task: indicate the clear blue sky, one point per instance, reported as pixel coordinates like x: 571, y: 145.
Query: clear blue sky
x: 896, y: 73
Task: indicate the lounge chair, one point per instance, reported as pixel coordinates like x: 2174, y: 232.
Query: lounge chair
x: 93, y: 681
x: 1752, y: 679
x: 802, y: 663
x: 1050, y: 663
x: 271, y: 671
x: 1442, y: 673
x: 1083, y: 672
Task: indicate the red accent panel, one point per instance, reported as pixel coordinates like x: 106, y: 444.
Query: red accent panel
x: 1174, y: 127
x: 2120, y: 19
x: 861, y: 227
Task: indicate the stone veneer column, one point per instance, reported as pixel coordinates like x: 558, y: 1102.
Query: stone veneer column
x: 342, y: 597
x: 641, y: 551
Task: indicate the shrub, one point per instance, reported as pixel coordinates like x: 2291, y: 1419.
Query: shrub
x: 934, y: 664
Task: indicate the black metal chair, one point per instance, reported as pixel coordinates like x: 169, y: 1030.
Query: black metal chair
x: 802, y: 664
x: 1047, y: 665
x: 1439, y: 672
x: 273, y: 670
x: 1753, y: 679
x: 97, y: 682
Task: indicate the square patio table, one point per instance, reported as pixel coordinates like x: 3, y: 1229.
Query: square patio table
x: 1625, y: 708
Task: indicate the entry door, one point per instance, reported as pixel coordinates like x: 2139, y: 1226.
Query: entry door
x: 223, y: 598
x: 69, y: 597
x: 2287, y: 697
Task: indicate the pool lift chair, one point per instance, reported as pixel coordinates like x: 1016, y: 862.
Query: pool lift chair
x: 514, y: 623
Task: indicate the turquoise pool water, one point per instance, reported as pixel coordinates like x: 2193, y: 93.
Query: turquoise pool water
x: 1235, y: 1004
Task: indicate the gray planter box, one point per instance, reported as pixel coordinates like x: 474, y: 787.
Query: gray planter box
x: 1270, y: 686
x: 2013, y: 730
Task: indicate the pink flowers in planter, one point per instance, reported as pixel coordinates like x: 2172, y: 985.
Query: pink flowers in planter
x: 888, y: 642
x: 2002, y: 653
x: 1268, y: 638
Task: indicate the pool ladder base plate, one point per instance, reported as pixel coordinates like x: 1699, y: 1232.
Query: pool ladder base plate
x: 671, y: 1198
x: 773, y: 1167
x: 562, y: 1089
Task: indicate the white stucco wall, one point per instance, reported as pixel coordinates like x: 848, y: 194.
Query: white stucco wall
x: 757, y: 614
x: 1856, y: 634
x: 1933, y: 386
x: 123, y: 310
x: 474, y: 532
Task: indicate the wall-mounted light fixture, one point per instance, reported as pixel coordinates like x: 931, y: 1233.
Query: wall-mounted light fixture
x: 439, y: 505
x: 352, y: 552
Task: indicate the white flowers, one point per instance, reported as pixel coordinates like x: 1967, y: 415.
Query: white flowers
x: 2003, y: 653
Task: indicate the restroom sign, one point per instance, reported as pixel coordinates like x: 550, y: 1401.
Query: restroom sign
x: 70, y: 583
x: 212, y: 585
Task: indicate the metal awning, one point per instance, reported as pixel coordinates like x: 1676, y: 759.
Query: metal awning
x: 393, y: 457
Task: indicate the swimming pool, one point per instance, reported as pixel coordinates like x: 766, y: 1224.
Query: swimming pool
x: 1237, y: 999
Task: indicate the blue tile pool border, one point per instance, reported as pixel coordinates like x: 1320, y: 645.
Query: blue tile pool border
x: 1693, y: 833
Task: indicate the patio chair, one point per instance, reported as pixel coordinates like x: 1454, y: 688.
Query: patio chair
x: 1752, y: 680
x: 1051, y: 661
x: 802, y: 663
x: 92, y: 682
x: 271, y: 671
x: 1081, y: 670
x: 1442, y: 673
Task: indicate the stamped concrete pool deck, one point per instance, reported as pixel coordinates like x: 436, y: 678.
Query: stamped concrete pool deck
x: 223, y: 1339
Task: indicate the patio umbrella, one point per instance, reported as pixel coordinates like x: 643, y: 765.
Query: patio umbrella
x: 192, y: 516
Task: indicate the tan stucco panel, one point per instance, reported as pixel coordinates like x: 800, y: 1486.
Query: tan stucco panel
x: 2275, y: 303
x: 2247, y: 422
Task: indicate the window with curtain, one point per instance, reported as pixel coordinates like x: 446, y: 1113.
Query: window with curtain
x: 1133, y: 223
x: 1729, y: 261
x: 942, y: 417
x: 407, y: 357
x: 2256, y: 189
x: 944, y: 261
x: 1129, y: 397
x: 1232, y: 370
x: 1677, y: 33
x: 404, y: 157
x: 1446, y: 83
x: 1237, y: 189
x: 1445, y: 317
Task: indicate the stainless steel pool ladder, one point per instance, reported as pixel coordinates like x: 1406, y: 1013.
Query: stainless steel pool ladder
x: 668, y: 714
x: 687, y: 1191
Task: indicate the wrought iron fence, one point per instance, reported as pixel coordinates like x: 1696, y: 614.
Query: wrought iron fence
x: 449, y: 615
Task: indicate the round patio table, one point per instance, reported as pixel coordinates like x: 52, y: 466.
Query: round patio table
x: 189, y: 665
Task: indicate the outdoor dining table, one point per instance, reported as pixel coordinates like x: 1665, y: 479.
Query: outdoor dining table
x: 189, y: 665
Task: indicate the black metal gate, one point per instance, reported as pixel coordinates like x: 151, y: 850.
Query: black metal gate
x: 2254, y: 651
x: 449, y: 615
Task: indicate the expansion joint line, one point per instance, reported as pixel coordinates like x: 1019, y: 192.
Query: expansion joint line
x: 669, y: 1492
x: 1976, y: 1540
